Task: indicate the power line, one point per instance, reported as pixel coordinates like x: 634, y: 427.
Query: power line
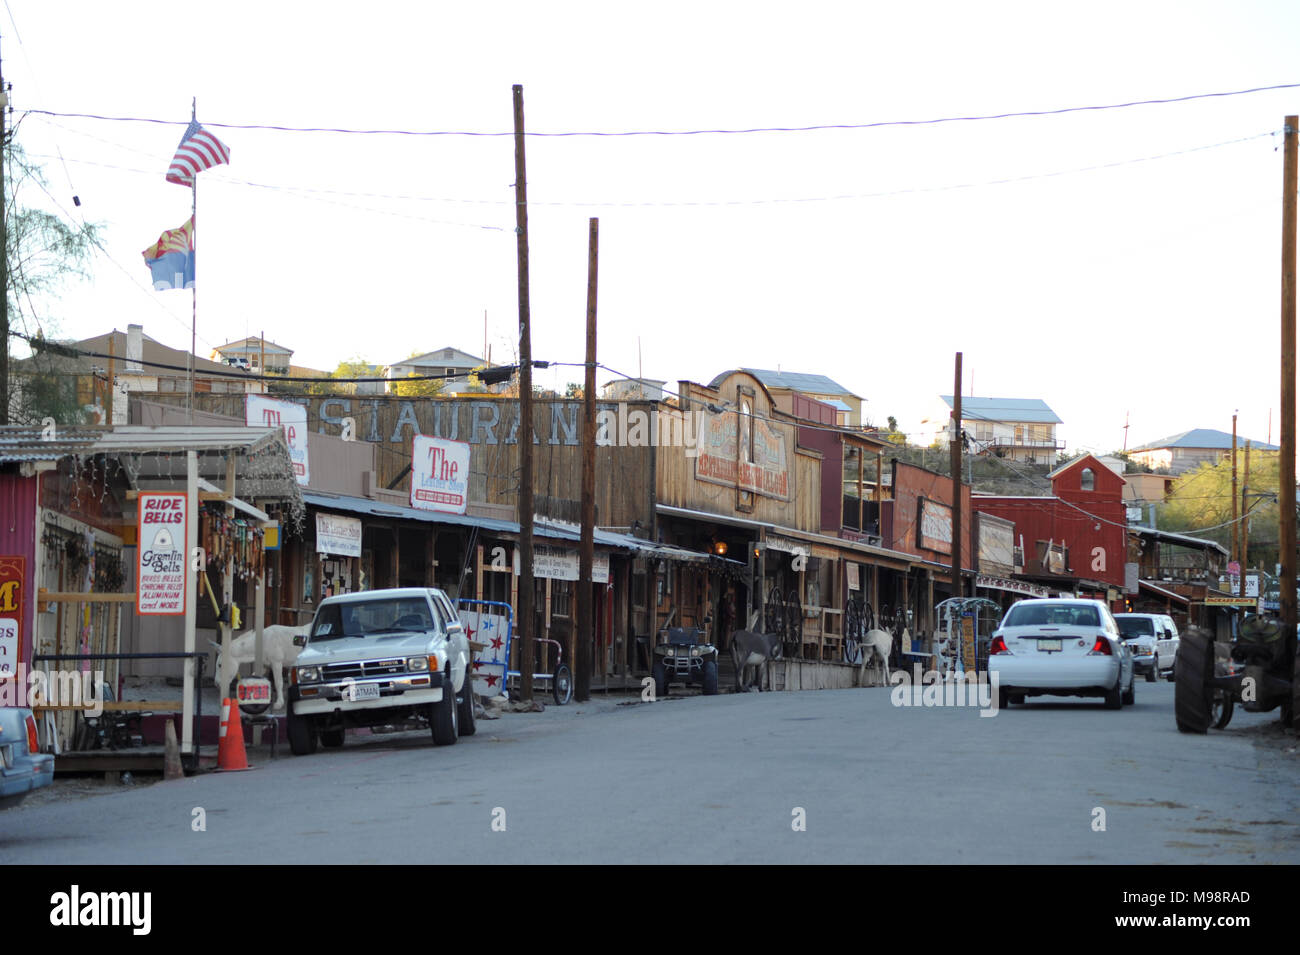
x: 1060, y: 111
x: 318, y: 194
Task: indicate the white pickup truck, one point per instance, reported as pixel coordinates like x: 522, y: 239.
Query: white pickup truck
x: 381, y: 657
x: 1153, y: 640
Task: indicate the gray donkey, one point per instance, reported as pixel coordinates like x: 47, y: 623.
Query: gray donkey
x: 752, y: 649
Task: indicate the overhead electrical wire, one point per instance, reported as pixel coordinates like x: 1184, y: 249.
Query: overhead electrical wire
x: 306, y: 192
x: 934, y: 121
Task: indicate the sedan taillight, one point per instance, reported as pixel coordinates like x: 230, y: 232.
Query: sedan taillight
x: 33, y: 745
x: 1101, y: 648
x: 998, y: 646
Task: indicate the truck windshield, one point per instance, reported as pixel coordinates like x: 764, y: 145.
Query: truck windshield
x: 372, y: 617
x: 1135, y: 626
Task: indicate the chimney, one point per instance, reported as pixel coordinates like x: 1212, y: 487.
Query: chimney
x: 134, y: 348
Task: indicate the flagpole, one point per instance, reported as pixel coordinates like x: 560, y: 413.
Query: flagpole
x: 194, y: 288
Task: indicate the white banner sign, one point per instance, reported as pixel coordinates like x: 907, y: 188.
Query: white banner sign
x: 489, y: 664
x: 338, y: 535
x: 162, y: 554
x: 8, y: 646
x: 263, y: 412
x: 439, y: 474
x: 557, y: 564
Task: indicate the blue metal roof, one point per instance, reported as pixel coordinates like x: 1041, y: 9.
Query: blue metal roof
x: 1203, y: 438
x: 809, y: 384
x: 555, y: 530
x: 1029, y: 410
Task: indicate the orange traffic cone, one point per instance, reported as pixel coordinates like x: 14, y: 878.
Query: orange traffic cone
x: 230, y: 749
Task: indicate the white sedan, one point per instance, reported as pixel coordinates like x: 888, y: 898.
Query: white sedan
x: 1061, y: 647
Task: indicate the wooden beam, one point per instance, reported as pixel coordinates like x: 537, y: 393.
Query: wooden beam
x: 44, y: 597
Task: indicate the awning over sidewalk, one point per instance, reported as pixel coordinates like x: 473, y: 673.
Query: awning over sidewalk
x: 1161, y: 592
x: 542, y: 527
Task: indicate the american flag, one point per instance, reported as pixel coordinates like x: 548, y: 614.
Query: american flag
x: 198, y: 150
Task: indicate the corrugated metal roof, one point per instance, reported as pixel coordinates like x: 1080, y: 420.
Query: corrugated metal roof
x: 1030, y: 410
x: 1203, y: 438
x: 1197, y: 542
x: 19, y: 443
x: 793, y: 381
x: 554, y: 530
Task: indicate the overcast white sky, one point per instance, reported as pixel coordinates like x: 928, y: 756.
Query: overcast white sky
x: 1145, y: 289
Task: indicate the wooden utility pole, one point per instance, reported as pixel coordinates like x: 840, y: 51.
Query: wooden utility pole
x: 1244, y: 546
x: 1236, y: 536
x: 954, y: 452
x: 526, y: 622
x: 587, y: 553
x: 112, y: 377
x: 1286, y: 490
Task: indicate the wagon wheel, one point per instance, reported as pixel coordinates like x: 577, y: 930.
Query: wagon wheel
x: 885, y: 620
x: 854, y: 630
x: 794, y: 625
x: 774, y: 612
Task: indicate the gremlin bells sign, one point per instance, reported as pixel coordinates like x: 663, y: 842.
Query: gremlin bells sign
x: 161, y: 548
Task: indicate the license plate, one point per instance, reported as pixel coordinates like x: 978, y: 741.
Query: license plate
x: 1053, y: 644
x: 363, y: 691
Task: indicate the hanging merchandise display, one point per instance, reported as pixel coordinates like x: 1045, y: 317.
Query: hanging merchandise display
x: 231, y: 542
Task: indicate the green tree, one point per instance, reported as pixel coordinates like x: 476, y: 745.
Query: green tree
x: 1200, y: 504
x: 415, y: 387
x: 42, y: 250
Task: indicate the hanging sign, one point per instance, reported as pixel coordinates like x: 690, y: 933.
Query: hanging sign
x: 161, y: 550
x: 554, y: 563
x: 11, y: 613
x: 439, y: 474
x: 263, y: 412
x: 338, y: 535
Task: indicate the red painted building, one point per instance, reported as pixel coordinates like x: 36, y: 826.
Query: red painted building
x: 918, y: 519
x: 1076, y: 536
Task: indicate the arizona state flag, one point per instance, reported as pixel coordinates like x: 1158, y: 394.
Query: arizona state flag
x: 171, y: 258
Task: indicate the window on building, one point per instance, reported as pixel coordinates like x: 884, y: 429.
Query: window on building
x: 1087, y: 480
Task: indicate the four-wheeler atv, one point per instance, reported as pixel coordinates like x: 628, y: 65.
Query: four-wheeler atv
x: 683, y: 658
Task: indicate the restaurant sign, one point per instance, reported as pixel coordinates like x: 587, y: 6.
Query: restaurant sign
x: 11, y: 613
x: 745, y: 452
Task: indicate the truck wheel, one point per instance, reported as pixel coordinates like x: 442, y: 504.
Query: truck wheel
x: 442, y: 718
x: 465, y: 718
x: 1151, y: 674
x: 332, y: 739
x: 302, y: 734
x: 661, y: 680
x: 710, y: 677
x: 562, y: 685
x: 1191, y: 695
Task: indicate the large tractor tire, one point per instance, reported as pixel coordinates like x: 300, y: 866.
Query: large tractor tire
x: 1191, y: 695
x: 1295, y: 693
